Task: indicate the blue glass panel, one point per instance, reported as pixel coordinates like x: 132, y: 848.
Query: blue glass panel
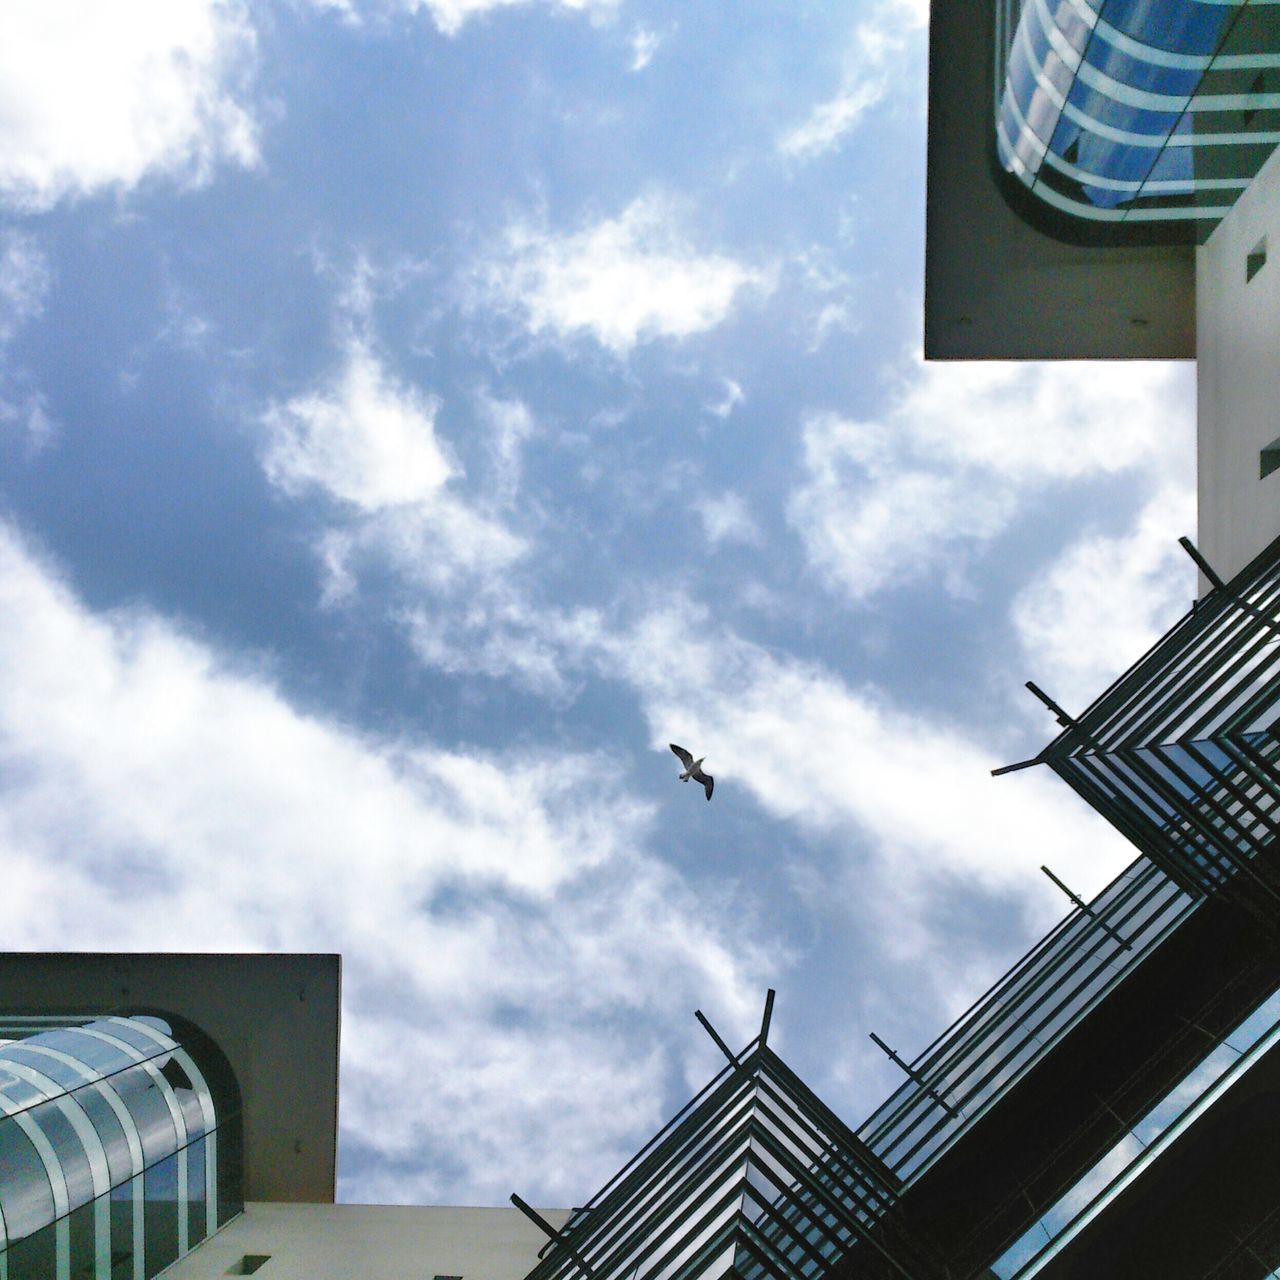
x: 1136, y: 73
x: 67, y: 1077
x: 1180, y: 26
x: 1066, y: 18
x: 95, y: 1053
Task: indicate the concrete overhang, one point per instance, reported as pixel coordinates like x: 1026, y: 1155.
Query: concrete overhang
x: 997, y: 289
x: 276, y: 1017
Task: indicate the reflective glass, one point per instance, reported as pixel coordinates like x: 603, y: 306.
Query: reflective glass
x: 94, y: 1053
x: 196, y: 1198
x: 146, y: 1103
x: 160, y: 1184
x: 83, y: 1243
x: 25, y: 1194
x: 34, y: 1258
x: 69, y: 1150
x: 103, y: 1118
x: 1144, y: 80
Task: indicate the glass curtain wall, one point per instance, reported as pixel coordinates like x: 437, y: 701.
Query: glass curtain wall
x: 1137, y: 115
x: 119, y: 1148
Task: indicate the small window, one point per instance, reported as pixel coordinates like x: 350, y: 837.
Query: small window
x: 1270, y: 460
x: 250, y: 1263
x: 1256, y: 260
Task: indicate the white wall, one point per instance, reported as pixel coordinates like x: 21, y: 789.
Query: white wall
x: 1238, y: 367
x: 372, y: 1242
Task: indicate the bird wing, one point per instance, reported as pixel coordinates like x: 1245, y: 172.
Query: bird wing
x: 706, y: 779
x: 685, y: 758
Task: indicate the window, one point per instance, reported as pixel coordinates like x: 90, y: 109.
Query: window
x: 1256, y: 260
x: 249, y: 1264
x: 1269, y: 459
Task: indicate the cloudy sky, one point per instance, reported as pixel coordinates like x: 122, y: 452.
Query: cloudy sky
x: 414, y: 414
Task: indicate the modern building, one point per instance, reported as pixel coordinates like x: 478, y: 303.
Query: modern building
x: 1103, y: 184
x: 178, y: 1114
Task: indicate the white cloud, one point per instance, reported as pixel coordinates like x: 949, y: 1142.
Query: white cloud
x: 365, y: 440
x: 869, y: 74
x: 369, y: 443
x: 733, y: 396
x: 24, y: 285
x: 24, y: 281
x: 95, y: 96
x: 963, y: 447
x: 621, y: 281
x: 450, y: 16
x: 727, y: 519
x: 511, y: 427
x: 155, y: 796
x: 644, y: 44
x: 896, y: 813
x: 1106, y: 600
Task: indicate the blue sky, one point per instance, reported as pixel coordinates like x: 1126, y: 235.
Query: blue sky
x: 413, y: 416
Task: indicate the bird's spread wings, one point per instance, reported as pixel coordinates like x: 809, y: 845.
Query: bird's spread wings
x: 685, y: 758
x: 706, y: 779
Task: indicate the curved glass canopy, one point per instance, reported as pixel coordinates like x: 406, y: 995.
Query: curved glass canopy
x: 119, y: 1147
x: 1146, y: 117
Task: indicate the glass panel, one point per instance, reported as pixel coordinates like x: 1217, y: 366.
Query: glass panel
x: 103, y: 1118
x: 72, y: 1159
x: 142, y: 1096
x: 34, y: 1258
x: 25, y: 1194
x: 230, y: 1172
x: 122, y: 1231
x: 94, y: 1053
x: 160, y: 1184
x: 83, y: 1251
x: 195, y: 1193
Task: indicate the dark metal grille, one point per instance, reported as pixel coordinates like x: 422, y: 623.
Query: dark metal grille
x: 1181, y: 752
x: 756, y: 1178
x: 1011, y: 1028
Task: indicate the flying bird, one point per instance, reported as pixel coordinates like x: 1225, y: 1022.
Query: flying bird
x: 693, y: 769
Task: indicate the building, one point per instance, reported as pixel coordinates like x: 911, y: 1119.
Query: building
x: 178, y: 1113
x: 1103, y: 184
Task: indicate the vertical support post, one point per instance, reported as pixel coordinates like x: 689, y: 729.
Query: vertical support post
x: 558, y: 1236
x: 767, y: 1019
x: 1089, y: 911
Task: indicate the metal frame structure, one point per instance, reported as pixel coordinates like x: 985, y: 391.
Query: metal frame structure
x: 119, y: 1145
x: 1181, y: 753
x: 755, y: 1178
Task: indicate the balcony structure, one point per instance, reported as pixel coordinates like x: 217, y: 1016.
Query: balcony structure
x: 1181, y: 753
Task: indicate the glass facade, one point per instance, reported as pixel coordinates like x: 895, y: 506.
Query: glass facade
x: 119, y: 1148
x: 1139, y: 117
x: 1142, y: 1143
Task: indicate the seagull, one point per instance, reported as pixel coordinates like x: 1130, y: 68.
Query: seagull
x: 693, y: 769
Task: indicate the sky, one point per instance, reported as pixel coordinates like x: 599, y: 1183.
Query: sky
x: 414, y: 415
